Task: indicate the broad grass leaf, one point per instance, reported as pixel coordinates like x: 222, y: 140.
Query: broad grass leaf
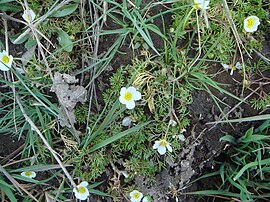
x: 64, y: 40
x: 9, y: 7
x: 9, y: 193
x: 65, y: 10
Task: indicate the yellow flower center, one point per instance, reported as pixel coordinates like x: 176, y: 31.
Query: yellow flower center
x: 250, y: 22
x: 28, y: 17
x: 196, y: 6
x: 128, y: 96
x: 81, y: 190
x: 232, y: 67
x: 136, y: 195
x: 28, y: 173
x: 5, y: 59
x: 163, y: 143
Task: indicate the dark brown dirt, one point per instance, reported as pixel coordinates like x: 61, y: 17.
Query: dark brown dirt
x: 8, y: 146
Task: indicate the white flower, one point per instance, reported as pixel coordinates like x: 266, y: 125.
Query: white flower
x: 81, y: 191
x: 28, y: 15
x: 201, y: 4
x: 135, y: 196
x: 162, y: 146
x: 126, y: 121
x: 251, y: 23
x: 128, y: 96
x: 173, y: 123
x: 231, y: 67
x: 6, y: 60
x: 29, y: 174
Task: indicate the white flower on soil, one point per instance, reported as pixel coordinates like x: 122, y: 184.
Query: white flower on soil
x: 81, y: 192
x: 135, y: 196
x: 232, y: 68
x: 162, y: 146
x: 128, y: 96
x: 201, y: 4
x: 251, y: 23
x: 29, y: 174
x: 29, y: 15
x: 5, y: 61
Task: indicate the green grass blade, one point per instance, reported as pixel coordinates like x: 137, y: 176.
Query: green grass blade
x: 117, y: 137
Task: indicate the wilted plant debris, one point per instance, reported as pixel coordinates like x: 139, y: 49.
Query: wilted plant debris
x: 68, y: 94
x: 134, y: 100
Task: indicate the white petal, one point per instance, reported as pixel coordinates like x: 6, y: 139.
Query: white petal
x: 202, y: 4
x: 131, y: 89
x: 238, y: 65
x: 137, y: 95
x: 132, y: 193
x: 85, y: 195
x: 156, y: 145
x: 32, y: 14
x: 134, y: 200
x: 231, y: 72
x: 225, y: 66
x: 3, y: 67
x: 130, y: 104
x: 161, y: 150
x: 4, y: 52
x: 83, y: 184
x: 169, y: 147
x: 33, y: 175
x: 140, y: 198
x: 123, y: 91
x: 10, y: 61
x: 122, y: 99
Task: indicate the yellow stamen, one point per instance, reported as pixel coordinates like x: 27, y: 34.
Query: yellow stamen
x: 5, y: 59
x: 128, y: 96
x: 81, y: 190
x: 28, y: 173
x: 163, y: 143
x: 250, y: 22
x: 136, y: 195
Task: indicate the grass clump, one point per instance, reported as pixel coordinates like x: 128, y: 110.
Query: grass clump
x: 244, y: 171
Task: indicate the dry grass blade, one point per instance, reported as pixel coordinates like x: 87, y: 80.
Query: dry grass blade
x: 35, y: 128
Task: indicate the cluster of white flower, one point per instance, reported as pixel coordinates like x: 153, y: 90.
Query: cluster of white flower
x: 251, y: 23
